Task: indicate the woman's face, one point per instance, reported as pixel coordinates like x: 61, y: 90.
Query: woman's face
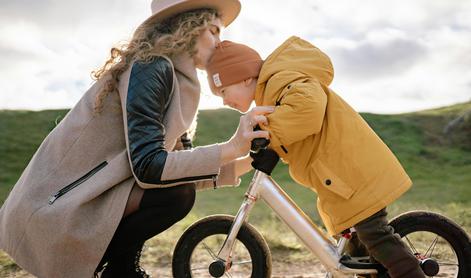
x: 207, y: 42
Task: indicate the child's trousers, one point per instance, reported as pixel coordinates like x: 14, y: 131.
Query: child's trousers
x: 387, y: 247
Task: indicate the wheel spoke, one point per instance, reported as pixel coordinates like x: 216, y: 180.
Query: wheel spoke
x: 228, y: 274
x: 432, y: 247
x: 199, y: 268
x: 211, y: 253
x: 448, y: 264
x: 241, y: 262
x: 412, y: 246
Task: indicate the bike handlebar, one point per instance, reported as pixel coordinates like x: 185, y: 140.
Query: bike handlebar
x: 264, y: 159
x: 259, y: 143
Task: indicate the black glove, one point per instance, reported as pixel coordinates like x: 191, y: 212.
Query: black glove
x: 265, y: 160
x: 259, y: 143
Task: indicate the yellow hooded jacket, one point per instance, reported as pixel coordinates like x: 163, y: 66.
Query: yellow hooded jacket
x: 327, y: 145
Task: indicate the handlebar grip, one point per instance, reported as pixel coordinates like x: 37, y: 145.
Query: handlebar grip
x: 259, y: 143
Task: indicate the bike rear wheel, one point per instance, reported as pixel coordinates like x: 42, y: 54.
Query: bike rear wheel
x: 433, y: 236
x: 197, y: 249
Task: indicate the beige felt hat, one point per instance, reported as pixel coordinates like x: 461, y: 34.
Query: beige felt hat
x: 163, y: 9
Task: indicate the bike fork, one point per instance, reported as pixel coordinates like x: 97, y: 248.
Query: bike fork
x: 251, y: 197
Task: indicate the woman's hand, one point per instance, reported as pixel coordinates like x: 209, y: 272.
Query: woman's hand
x: 239, y: 144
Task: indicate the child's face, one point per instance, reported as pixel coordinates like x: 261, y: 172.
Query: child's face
x: 238, y: 96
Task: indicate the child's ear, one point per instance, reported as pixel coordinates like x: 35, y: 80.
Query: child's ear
x: 215, y: 93
x: 248, y: 81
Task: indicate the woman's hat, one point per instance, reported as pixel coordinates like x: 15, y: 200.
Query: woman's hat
x: 163, y: 9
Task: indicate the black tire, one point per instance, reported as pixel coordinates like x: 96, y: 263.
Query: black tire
x: 220, y: 225
x: 423, y: 221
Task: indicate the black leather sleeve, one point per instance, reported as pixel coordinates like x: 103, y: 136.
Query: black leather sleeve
x: 149, y: 92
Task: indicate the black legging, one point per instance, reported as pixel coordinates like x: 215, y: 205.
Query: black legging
x: 158, y: 210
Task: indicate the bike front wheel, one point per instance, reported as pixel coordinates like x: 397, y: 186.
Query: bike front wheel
x: 199, y: 245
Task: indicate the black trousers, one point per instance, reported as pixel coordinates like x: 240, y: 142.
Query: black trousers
x: 387, y: 247
x: 158, y: 210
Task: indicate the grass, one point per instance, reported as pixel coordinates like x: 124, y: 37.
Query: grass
x: 441, y: 171
x: 439, y: 167
x: 21, y: 133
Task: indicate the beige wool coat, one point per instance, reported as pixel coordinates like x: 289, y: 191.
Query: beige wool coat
x: 67, y: 236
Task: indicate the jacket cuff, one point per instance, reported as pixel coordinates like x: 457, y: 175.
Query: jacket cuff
x: 196, y: 164
x: 274, y: 140
x: 226, y: 178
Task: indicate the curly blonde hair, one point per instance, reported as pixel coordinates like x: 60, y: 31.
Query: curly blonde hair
x: 173, y: 36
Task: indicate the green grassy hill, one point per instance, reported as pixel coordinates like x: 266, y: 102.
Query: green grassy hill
x: 440, y: 167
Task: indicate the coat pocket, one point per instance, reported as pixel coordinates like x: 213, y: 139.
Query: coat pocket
x: 331, y: 181
x: 76, y: 183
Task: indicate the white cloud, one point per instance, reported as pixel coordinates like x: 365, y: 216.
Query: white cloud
x: 49, y: 48
x: 389, y: 56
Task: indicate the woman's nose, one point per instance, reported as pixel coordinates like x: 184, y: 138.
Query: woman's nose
x: 217, y: 39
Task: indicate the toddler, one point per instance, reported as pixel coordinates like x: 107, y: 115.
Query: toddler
x: 326, y: 144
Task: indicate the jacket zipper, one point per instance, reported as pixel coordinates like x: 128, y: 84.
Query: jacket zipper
x: 189, y: 179
x: 76, y: 183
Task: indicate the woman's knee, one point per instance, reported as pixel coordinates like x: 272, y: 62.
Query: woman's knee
x: 185, y: 199
x: 178, y: 198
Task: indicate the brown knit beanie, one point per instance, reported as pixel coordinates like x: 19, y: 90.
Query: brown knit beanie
x: 232, y: 63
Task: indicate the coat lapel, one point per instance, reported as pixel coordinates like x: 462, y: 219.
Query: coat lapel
x: 184, y: 104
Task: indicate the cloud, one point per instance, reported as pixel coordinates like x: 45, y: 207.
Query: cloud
x: 377, y: 56
x: 58, y: 15
x: 48, y: 48
x: 388, y: 56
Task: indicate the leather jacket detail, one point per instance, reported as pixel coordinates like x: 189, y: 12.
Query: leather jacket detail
x: 149, y: 94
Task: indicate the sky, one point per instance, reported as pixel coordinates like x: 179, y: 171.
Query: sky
x: 388, y: 56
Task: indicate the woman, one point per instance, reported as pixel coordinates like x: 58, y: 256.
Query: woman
x: 109, y: 177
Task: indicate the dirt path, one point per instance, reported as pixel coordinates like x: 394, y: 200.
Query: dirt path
x: 285, y: 264
x: 280, y: 270
x: 160, y: 267
x: 156, y: 260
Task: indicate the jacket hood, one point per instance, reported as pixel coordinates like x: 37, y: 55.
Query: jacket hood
x: 296, y: 54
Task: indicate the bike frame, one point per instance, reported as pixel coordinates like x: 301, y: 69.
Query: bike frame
x: 324, y: 247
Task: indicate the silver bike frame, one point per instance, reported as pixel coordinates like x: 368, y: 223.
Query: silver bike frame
x: 327, y: 250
